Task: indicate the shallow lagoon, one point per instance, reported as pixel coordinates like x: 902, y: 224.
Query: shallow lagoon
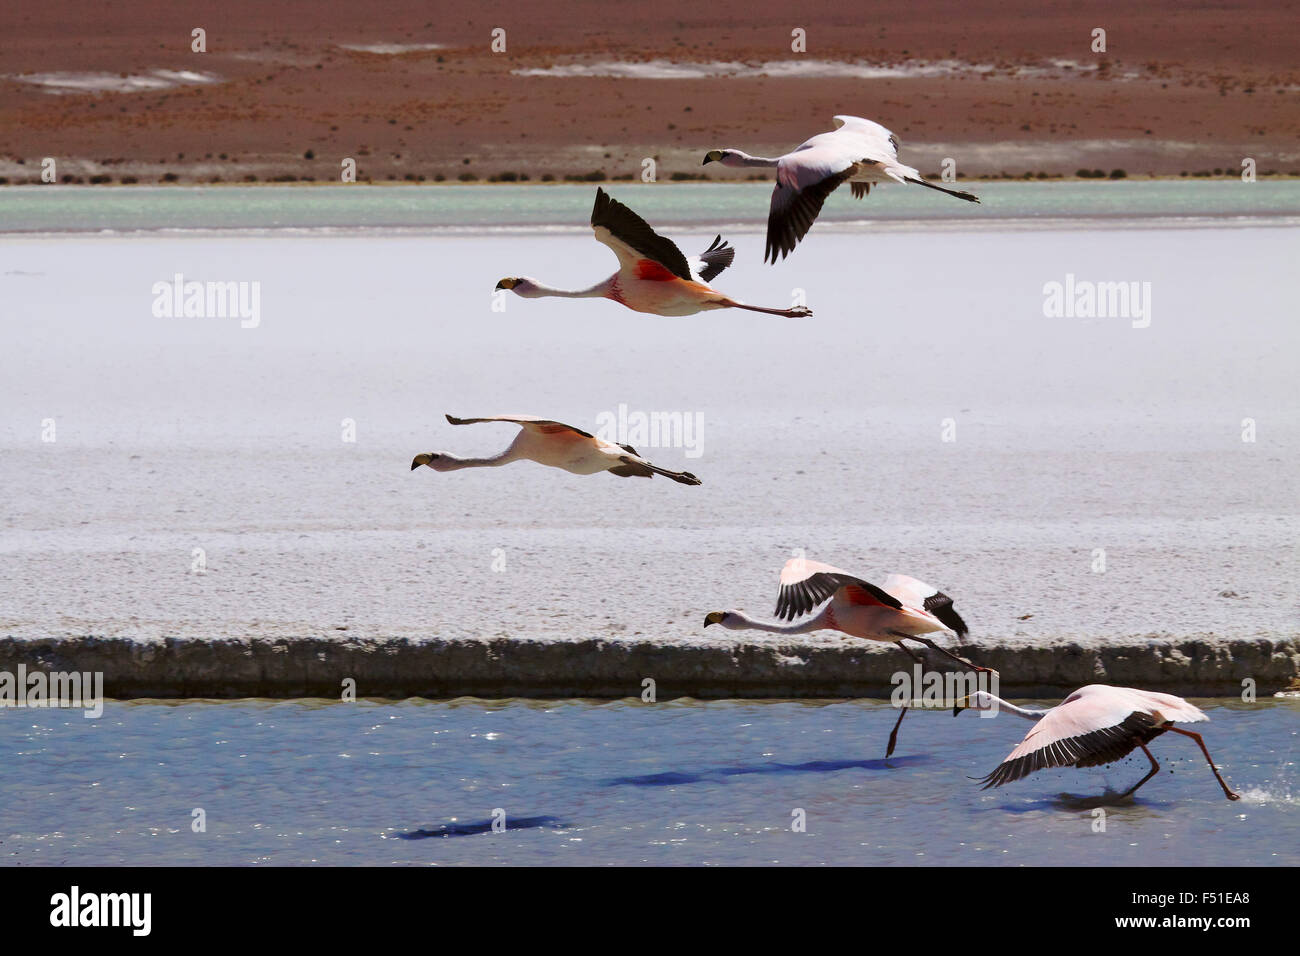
x: 619, y: 783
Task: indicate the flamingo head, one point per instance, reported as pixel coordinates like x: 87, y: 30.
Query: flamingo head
x: 434, y: 460
x: 725, y: 618
x: 521, y: 285
x: 727, y: 157
x: 980, y: 700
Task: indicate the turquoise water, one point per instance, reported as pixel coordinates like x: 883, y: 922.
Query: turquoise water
x: 582, y: 782
x: 127, y: 208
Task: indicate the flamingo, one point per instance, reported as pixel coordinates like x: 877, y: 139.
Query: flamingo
x: 653, y: 275
x: 553, y: 443
x: 903, y: 609
x: 857, y: 151
x: 1095, y: 725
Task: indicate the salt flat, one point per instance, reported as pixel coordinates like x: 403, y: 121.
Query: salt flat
x: 1072, y: 436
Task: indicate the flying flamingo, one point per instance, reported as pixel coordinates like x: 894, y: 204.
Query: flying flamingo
x: 653, y: 275
x: 1095, y: 725
x: 857, y: 151
x: 558, y: 445
x: 903, y: 609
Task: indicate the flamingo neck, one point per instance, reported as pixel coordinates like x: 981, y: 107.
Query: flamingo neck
x: 537, y: 290
x: 740, y: 621
x: 448, y: 462
x: 989, y: 701
x: 742, y: 159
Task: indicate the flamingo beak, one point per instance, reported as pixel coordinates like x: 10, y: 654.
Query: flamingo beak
x: 712, y: 156
x: 507, y: 284
x: 961, y: 705
x: 419, y: 460
x: 714, y: 617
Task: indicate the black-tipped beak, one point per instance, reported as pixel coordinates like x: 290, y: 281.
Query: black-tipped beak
x: 714, y: 617
x: 419, y: 460
x: 706, y: 161
x: 957, y: 709
x: 501, y: 285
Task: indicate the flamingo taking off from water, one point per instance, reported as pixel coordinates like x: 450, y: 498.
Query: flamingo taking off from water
x: 558, y: 445
x: 653, y: 275
x: 1095, y: 725
x: 857, y: 151
x: 903, y: 609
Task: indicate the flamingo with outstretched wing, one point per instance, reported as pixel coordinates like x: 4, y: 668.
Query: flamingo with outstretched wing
x: 1095, y: 725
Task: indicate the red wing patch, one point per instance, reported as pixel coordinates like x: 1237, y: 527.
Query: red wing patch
x: 560, y: 432
x: 856, y: 595
x: 652, y: 271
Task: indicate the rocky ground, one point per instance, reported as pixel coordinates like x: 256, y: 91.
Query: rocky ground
x: 287, y: 91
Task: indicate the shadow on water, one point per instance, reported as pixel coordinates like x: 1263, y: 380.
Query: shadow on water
x: 667, y: 779
x: 484, y: 826
x: 676, y: 778
x: 1076, y: 802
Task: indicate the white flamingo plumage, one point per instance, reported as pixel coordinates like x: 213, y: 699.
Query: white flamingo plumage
x: 1095, y: 725
x: 558, y: 445
x: 858, y: 151
x: 653, y: 276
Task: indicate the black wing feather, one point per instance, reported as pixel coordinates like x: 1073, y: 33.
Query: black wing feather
x: 786, y: 227
x: 795, y: 600
x: 716, y: 258
x: 636, y: 232
x: 940, y: 605
x: 1087, y: 750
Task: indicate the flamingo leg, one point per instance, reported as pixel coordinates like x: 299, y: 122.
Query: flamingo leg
x: 947, y: 653
x: 1208, y: 759
x: 1155, y: 769
x: 798, y: 312
x: 893, y: 734
x: 909, y: 653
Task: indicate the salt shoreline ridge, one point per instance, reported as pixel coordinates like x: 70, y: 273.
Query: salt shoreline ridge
x: 397, y: 668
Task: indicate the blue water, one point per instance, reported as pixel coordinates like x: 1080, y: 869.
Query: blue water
x: 581, y: 782
x: 716, y: 205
